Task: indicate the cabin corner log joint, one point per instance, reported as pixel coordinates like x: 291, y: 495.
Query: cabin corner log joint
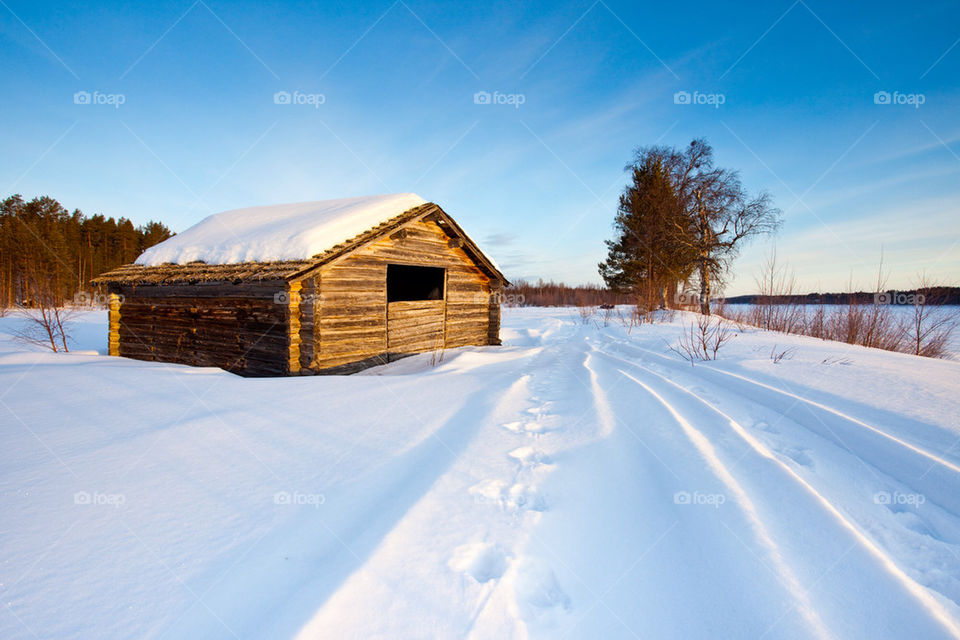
x: 413, y: 283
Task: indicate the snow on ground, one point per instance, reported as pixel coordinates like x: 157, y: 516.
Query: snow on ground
x: 580, y: 482
x: 278, y: 232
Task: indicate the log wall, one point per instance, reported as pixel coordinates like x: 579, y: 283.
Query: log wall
x: 239, y: 328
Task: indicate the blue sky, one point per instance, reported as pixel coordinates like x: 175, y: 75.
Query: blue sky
x: 199, y: 130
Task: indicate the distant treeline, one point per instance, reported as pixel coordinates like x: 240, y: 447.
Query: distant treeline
x: 932, y: 295
x: 556, y: 294
x: 48, y: 254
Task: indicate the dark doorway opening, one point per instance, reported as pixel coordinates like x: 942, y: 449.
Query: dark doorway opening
x: 405, y: 282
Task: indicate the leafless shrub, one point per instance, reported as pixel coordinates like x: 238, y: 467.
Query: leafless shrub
x: 776, y: 284
x: 607, y: 315
x: 46, y: 327
x: 930, y: 325
x: 736, y: 316
x: 586, y: 313
x: 783, y: 354
x: 869, y: 325
x: 439, y: 350
x: 642, y: 314
x: 47, y: 323
x: 701, y: 340
x: 866, y: 325
x: 665, y: 315
x: 815, y: 324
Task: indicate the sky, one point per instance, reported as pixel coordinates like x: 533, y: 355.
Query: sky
x: 518, y: 118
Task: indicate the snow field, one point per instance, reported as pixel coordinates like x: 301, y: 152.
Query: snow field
x: 581, y: 481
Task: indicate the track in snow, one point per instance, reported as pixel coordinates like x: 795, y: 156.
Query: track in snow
x: 933, y: 606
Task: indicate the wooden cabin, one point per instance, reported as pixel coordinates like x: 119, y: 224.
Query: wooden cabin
x: 337, y: 300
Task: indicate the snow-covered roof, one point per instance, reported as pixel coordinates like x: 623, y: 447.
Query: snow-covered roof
x: 278, y: 232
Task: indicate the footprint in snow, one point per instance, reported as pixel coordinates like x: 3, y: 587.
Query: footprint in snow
x: 512, y: 498
x: 540, y: 410
x: 489, y: 491
x: 522, y: 497
x: 537, y: 590
x: 482, y: 561
x: 529, y: 457
x: 528, y: 426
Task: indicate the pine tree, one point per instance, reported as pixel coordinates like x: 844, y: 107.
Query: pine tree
x: 645, y: 259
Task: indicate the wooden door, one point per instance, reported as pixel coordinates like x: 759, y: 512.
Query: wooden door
x: 415, y: 326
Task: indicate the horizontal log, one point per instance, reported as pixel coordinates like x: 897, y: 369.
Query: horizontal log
x: 435, y: 339
x: 414, y: 305
x: 470, y: 319
x: 396, y: 327
x: 416, y: 347
x: 365, y: 285
x: 430, y: 315
x: 224, y: 356
x: 222, y: 317
x: 327, y: 335
x: 347, y: 298
x: 180, y: 325
x: 347, y: 352
x: 472, y: 337
x: 471, y: 307
x: 348, y: 313
x: 261, y: 290
x: 200, y: 304
x: 221, y: 352
x: 344, y: 322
